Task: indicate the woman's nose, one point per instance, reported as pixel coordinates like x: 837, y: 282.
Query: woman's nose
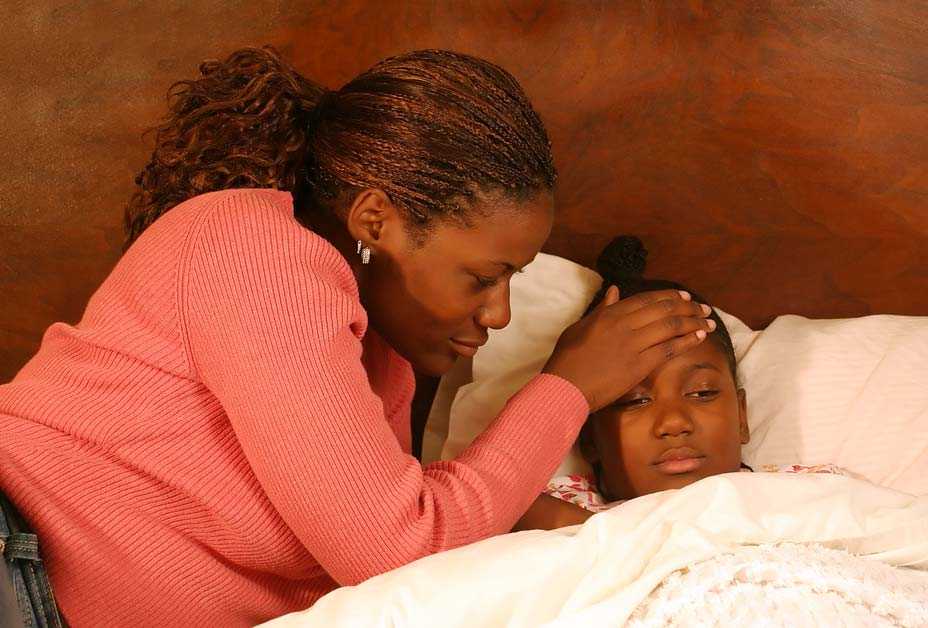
x: 495, y: 313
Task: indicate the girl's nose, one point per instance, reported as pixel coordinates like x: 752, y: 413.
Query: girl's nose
x: 672, y: 421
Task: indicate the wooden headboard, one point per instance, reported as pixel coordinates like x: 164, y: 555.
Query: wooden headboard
x: 773, y: 155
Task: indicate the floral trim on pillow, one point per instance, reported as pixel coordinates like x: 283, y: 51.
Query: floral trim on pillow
x: 581, y: 489
x: 804, y: 468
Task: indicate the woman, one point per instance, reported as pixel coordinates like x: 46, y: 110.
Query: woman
x: 225, y: 435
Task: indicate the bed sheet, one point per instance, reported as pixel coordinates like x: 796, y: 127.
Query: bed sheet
x: 600, y: 572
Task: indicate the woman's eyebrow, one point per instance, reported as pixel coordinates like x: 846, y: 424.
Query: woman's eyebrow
x: 509, y: 267
x: 513, y: 269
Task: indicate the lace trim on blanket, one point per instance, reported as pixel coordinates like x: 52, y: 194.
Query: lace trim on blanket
x: 787, y: 585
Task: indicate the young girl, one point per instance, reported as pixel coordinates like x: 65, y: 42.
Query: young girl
x: 686, y: 421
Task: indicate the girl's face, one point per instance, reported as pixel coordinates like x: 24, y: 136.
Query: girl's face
x: 685, y: 422
x: 435, y: 301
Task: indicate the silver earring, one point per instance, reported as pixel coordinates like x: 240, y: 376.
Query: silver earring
x: 364, y: 252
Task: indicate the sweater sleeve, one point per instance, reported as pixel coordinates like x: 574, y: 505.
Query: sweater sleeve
x: 273, y: 329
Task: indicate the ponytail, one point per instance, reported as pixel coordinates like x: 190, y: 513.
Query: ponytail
x: 622, y: 263
x: 242, y: 124
x: 431, y: 128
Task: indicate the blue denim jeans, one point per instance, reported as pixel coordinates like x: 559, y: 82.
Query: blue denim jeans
x: 26, y: 597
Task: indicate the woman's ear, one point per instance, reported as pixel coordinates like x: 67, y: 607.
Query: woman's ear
x: 743, y: 417
x: 372, y: 218
x: 587, y: 442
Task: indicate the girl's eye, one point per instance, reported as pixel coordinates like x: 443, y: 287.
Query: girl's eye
x: 703, y: 395
x: 628, y: 404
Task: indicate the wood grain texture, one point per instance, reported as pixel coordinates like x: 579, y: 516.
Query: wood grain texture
x: 773, y: 155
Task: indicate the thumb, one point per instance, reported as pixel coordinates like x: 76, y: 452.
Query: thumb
x: 611, y: 297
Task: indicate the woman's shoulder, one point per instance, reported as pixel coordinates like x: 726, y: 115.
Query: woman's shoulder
x: 251, y: 208
x: 244, y: 227
x: 256, y: 201
x: 260, y: 202
x: 249, y: 211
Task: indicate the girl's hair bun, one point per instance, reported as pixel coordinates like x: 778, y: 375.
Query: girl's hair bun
x: 623, y: 261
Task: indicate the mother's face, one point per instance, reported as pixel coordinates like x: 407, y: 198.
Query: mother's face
x: 435, y: 301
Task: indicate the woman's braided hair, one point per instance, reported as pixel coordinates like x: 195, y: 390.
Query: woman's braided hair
x: 430, y: 128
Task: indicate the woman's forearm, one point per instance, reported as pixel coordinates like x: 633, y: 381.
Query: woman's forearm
x: 550, y: 513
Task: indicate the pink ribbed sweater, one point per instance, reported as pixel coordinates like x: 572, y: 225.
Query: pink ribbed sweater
x: 221, y: 439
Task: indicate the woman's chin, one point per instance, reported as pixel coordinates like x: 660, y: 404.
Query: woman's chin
x: 434, y: 364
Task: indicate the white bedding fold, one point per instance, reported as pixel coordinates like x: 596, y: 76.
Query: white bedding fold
x: 598, y: 573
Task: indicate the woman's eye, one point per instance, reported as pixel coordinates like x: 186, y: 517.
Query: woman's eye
x: 703, y: 395
x: 486, y: 282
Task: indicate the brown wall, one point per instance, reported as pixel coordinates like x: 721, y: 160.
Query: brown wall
x: 772, y: 154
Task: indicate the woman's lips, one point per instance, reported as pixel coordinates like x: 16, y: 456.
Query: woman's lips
x: 679, y: 460
x: 466, y: 349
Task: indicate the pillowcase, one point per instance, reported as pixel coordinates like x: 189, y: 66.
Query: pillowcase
x: 437, y: 423
x: 549, y: 295
x: 852, y: 392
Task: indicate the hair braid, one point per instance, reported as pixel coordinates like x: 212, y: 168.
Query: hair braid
x: 431, y: 128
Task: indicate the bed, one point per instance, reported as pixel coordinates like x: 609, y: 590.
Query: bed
x: 772, y: 155
x: 752, y: 548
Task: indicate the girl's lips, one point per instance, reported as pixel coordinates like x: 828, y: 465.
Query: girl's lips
x: 680, y: 465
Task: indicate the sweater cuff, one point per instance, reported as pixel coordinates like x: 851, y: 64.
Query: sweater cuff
x: 554, y: 393
x: 538, y: 425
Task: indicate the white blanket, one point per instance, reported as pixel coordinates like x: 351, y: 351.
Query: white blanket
x: 788, y: 585
x: 599, y: 573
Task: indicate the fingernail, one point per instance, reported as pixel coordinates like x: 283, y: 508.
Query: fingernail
x: 706, y: 309
x: 712, y: 325
x: 701, y: 334
x: 685, y: 295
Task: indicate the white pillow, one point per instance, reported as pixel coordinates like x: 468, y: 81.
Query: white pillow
x: 850, y: 392
x: 437, y: 423
x: 549, y: 295
x: 853, y: 392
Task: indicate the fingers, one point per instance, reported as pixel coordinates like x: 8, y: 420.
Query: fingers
x: 643, y: 299
x: 610, y: 298
x: 657, y: 311
x: 668, y: 328
x: 658, y: 354
x: 612, y: 295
